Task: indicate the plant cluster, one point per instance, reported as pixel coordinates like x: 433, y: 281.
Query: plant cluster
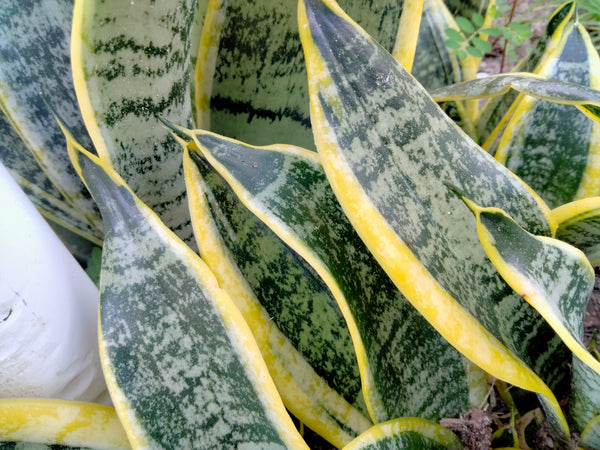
x: 290, y: 224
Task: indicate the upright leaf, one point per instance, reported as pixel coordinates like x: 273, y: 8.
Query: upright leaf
x: 130, y: 65
x: 251, y: 54
x: 293, y: 316
x: 34, y: 73
x: 289, y: 192
x: 181, y: 364
x: 390, y: 153
x: 558, y: 162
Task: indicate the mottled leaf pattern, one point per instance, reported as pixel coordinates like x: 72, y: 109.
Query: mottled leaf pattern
x: 554, y: 277
x: 408, y: 434
x: 181, y: 364
x: 35, y: 73
x: 389, y: 153
x: 287, y: 189
x: 553, y: 90
x: 557, y: 161
x: 60, y: 422
x: 130, y: 65
x: 293, y: 316
x: 584, y: 407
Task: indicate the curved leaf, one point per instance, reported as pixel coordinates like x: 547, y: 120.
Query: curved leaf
x: 131, y: 64
x: 389, y: 153
x: 537, y: 86
x: 558, y: 162
x: 181, y: 364
x: 289, y: 192
x: 61, y: 422
x: 296, y: 322
x: 406, y: 433
x: 554, y: 277
x: 35, y: 72
x: 579, y: 225
x: 584, y: 406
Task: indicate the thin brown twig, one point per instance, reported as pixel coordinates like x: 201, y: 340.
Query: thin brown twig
x: 511, y: 17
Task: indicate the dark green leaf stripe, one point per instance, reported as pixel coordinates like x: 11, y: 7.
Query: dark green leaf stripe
x: 579, y: 225
x: 182, y: 366
x: 496, y: 109
x: 130, y: 65
x: 48, y: 423
x: 259, y: 57
x: 551, y: 158
x: 554, y: 277
x: 35, y: 72
x: 390, y: 153
x: 297, y: 323
x: 17, y: 158
x: 406, y: 433
x: 288, y: 190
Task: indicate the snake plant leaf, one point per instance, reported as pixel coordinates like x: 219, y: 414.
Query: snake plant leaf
x: 293, y: 316
x: 554, y: 277
x: 552, y: 90
x: 558, y: 162
x: 579, y: 225
x: 130, y: 64
x: 181, y: 364
x: 48, y: 309
x: 35, y: 72
x: 498, y: 110
x: 289, y: 192
x: 390, y: 153
x: 584, y: 406
x: 48, y: 200
x: 406, y: 433
x: 441, y: 67
x: 242, y: 70
x: 61, y: 422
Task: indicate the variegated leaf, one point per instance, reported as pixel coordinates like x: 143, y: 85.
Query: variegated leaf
x: 406, y: 433
x: 181, y: 364
x: 293, y: 316
x: 436, y: 66
x: 251, y: 54
x: 559, y: 162
x: 38, y: 422
x: 287, y: 189
x: 584, y: 405
x: 552, y: 90
x: 19, y: 161
x: 35, y: 72
x: 579, y: 225
x: 498, y: 110
x: 389, y: 153
x: 130, y: 65
x: 554, y: 277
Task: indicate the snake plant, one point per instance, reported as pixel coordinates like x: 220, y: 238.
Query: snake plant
x: 302, y: 212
